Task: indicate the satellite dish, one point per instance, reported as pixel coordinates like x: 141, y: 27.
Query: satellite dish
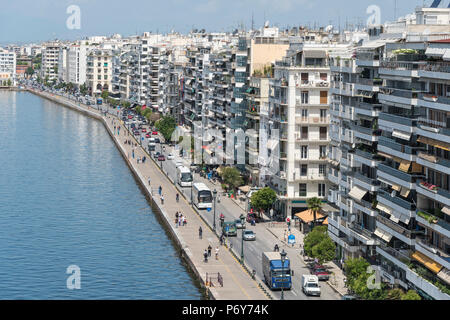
x: 329, y: 28
x: 266, y: 24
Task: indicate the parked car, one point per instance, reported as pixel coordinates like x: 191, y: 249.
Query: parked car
x: 170, y: 156
x: 154, y: 133
x: 148, y: 135
x: 157, y: 140
x: 349, y: 297
x: 144, y: 130
x: 249, y: 235
x: 321, y: 272
x: 239, y: 224
x: 161, y: 157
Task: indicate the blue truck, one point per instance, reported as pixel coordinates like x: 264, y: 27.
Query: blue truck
x: 276, y: 275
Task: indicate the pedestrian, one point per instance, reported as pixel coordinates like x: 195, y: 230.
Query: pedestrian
x: 143, y: 159
x: 217, y: 253
x: 162, y: 199
x: 132, y: 153
x: 178, y: 197
x: 205, y: 255
x: 200, y: 232
x: 149, y: 180
x: 209, y: 250
x: 176, y: 222
x: 221, y: 239
x: 160, y: 190
x: 184, y: 221
x: 176, y: 215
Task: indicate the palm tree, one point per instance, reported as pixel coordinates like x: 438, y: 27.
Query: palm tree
x: 314, y: 204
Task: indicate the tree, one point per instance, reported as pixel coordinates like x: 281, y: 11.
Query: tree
x: 83, y: 89
x: 314, y: 204
x: 316, y: 236
x: 166, y: 125
x: 29, y: 71
x: 232, y: 177
x: 325, y: 250
x: 105, y: 94
x: 395, y: 294
x: 411, y: 295
x: 8, y: 83
x: 358, y: 280
x: 263, y: 199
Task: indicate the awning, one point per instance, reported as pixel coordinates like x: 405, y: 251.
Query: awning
x: 245, y: 189
x: 357, y: 193
x: 383, y: 234
x: 401, y: 135
x: 444, y: 274
x: 325, y: 222
x: 384, y: 208
x: 396, y: 187
x: 427, y: 262
x: 435, y: 52
x: 404, y: 166
x: 434, y: 143
x: 446, y: 210
x: 405, y: 192
x: 307, y: 216
x: 394, y: 218
x: 314, y: 53
x: 385, y: 155
x: 397, y: 216
x: 446, y: 55
x: 365, y: 94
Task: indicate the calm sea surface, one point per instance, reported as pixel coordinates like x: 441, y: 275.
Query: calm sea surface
x: 68, y: 198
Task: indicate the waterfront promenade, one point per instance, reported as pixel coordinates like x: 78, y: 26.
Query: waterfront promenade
x: 237, y: 283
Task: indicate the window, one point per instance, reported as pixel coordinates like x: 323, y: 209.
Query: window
x: 304, y: 133
x: 305, y: 78
x: 323, y: 133
x: 304, y: 152
x: 323, y: 76
x: 322, y: 169
x: 321, y: 190
x: 305, y: 97
x: 323, y: 151
x: 323, y: 114
x: 323, y: 97
x: 302, y: 190
x: 304, y: 170
x: 304, y: 114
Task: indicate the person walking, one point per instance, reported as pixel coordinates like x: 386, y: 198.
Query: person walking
x: 177, y: 197
x: 209, y: 250
x: 176, y: 222
x: 184, y: 221
x: 160, y: 190
x: 200, y: 232
x: 162, y: 199
x: 221, y: 239
x: 149, y: 181
x: 205, y: 255
x: 217, y: 253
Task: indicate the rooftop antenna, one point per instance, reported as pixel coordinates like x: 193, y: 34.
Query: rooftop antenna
x: 253, y: 22
x: 395, y: 10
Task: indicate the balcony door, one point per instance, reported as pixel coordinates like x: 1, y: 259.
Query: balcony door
x: 323, y: 97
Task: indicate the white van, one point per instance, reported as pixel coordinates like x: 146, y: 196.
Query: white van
x: 310, y: 285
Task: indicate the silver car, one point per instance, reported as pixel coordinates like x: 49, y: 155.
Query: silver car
x: 249, y: 235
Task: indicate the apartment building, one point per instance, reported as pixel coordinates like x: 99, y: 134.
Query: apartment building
x: 50, y: 60
x: 7, y: 64
x: 77, y: 63
x: 99, y: 71
x: 298, y: 109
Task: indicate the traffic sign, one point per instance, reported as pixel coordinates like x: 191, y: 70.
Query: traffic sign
x: 291, y: 239
x: 208, y: 209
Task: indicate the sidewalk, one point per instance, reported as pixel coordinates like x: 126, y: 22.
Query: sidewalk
x: 237, y: 284
x: 337, y: 277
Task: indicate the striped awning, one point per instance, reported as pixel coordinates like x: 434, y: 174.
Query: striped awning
x: 446, y: 210
x: 397, y: 216
x: 396, y: 187
x: 357, y: 193
x: 434, y: 143
x: 384, y: 208
x: 401, y: 135
x: 427, y: 262
x: 404, y: 166
x: 383, y: 235
x: 405, y: 192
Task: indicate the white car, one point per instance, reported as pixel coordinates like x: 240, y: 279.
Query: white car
x: 178, y: 163
x: 170, y: 156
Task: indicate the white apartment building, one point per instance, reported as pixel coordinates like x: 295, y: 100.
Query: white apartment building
x: 50, y: 60
x: 76, y: 64
x: 7, y: 64
x: 99, y: 71
x: 62, y: 65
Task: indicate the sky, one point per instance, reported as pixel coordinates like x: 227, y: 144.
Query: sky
x: 24, y: 21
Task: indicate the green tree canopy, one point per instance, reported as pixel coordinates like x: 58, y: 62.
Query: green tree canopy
x: 314, y: 204
x: 105, y: 94
x: 358, y: 280
x: 29, y: 71
x: 411, y: 295
x: 312, y: 239
x: 263, y: 199
x: 166, y: 125
x: 232, y: 177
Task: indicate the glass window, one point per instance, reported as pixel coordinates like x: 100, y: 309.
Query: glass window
x: 302, y: 189
x: 321, y: 190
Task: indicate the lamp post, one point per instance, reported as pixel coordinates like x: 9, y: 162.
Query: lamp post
x: 283, y: 259
x: 242, y: 217
x: 214, y: 222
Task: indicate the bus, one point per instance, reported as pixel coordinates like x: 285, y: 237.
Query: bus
x: 201, y: 196
x: 184, y: 176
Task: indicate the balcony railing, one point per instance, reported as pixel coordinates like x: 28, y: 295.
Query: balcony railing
x: 410, y: 178
x: 403, y: 120
x: 433, y: 219
x: 403, y: 256
x: 436, y: 67
x: 363, y: 178
x: 433, y: 188
x: 391, y: 144
x: 396, y: 227
x: 396, y: 200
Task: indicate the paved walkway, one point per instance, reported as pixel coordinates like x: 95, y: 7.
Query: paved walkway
x: 237, y: 284
x: 337, y: 277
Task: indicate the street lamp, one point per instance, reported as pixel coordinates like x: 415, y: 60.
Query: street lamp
x: 283, y: 259
x: 242, y: 217
x: 214, y: 222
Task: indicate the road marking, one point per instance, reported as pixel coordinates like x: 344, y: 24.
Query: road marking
x: 294, y: 292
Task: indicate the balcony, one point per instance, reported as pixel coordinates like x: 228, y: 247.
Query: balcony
x: 399, y: 177
x: 430, y: 100
x: 370, y: 159
x: 311, y: 120
x: 391, y: 147
x: 392, y: 121
x: 433, y: 252
x: 433, y: 162
x: 433, y: 222
x: 364, y: 133
x: 436, y: 130
x: 368, y: 109
x: 433, y: 192
x: 363, y: 235
x: 399, y: 68
x: 402, y: 206
x: 406, y: 97
x: 436, y: 70
x: 366, y: 182
x: 396, y: 227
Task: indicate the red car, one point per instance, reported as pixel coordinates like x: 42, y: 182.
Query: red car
x: 161, y: 157
x: 130, y: 117
x: 321, y: 272
x: 148, y: 135
x: 154, y: 133
x: 144, y: 130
